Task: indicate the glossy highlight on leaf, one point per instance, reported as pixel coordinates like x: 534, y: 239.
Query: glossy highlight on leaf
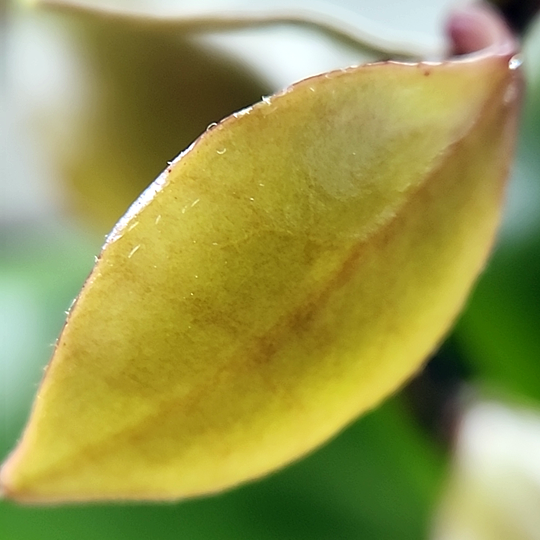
x: 287, y: 272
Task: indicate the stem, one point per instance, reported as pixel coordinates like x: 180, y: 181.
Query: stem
x: 346, y: 27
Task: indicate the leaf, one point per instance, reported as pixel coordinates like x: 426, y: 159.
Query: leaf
x: 341, y: 492
x: 286, y: 273
x: 338, y: 24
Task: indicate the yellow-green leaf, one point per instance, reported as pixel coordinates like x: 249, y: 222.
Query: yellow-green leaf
x: 287, y: 272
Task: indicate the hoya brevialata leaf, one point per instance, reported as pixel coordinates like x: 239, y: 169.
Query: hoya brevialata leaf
x: 287, y: 272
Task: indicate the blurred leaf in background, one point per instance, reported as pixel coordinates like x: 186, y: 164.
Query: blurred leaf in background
x: 143, y: 94
x: 379, y: 479
x: 494, y: 488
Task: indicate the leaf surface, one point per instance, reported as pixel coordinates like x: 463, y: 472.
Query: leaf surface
x: 287, y: 272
